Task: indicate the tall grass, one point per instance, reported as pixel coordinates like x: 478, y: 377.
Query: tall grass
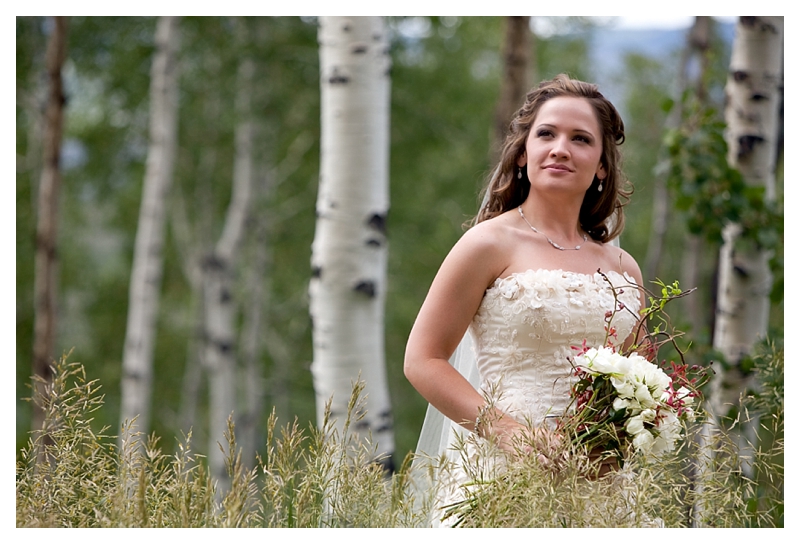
x: 70, y: 475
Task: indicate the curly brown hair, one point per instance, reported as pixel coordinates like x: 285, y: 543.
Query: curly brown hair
x: 601, y: 212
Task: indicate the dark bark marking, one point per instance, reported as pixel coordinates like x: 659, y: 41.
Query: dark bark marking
x: 133, y: 375
x: 373, y: 242
x: 366, y: 287
x: 387, y: 463
x: 316, y: 271
x: 359, y: 48
x: 361, y: 425
x: 224, y: 346
x: 741, y: 272
x: 757, y: 23
x: 747, y: 143
x: 212, y: 262
x: 378, y: 222
x: 386, y: 421
x: 748, y: 21
x: 338, y: 78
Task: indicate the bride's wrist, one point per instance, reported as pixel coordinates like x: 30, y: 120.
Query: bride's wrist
x: 481, y: 425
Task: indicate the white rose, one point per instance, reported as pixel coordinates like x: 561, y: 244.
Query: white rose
x: 623, y: 387
x: 643, y: 442
x: 644, y: 397
x: 648, y: 415
x: 620, y: 404
x: 635, y: 426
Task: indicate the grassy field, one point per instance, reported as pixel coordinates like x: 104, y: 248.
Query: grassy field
x: 71, y: 475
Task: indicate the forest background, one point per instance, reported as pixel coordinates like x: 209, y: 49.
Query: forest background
x: 445, y: 84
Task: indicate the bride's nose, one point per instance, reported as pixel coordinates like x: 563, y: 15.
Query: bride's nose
x: 559, y: 148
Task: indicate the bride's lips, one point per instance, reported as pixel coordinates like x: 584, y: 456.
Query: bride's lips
x: 557, y: 167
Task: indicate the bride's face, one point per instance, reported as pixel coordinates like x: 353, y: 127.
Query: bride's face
x: 564, y: 146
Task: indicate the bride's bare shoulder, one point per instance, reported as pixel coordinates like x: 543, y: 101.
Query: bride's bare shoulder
x: 494, y: 235
x: 622, y: 261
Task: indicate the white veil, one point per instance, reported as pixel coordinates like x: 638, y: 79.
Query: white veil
x: 436, y: 447
x: 438, y: 431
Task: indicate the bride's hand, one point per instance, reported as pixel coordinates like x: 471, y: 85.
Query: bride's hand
x: 520, y: 440
x: 507, y: 433
x: 548, y: 445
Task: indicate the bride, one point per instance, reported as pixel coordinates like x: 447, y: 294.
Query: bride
x: 531, y: 279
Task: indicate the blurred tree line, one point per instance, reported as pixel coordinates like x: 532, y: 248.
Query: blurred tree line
x: 445, y: 84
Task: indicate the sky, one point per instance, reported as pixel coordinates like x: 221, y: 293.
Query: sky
x: 660, y: 21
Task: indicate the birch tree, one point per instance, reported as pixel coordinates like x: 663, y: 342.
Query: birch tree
x: 145, y: 284
x: 46, y: 261
x: 218, y: 270
x: 349, y: 252
x: 754, y: 87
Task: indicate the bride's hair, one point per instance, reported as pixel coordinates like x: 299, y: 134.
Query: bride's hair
x: 601, y: 212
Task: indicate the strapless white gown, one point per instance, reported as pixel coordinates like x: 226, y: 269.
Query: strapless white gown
x: 523, y: 336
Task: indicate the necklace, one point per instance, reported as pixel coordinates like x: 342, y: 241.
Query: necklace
x: 552, y: 243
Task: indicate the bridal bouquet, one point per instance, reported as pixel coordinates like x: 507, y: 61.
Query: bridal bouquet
x: 621, y: 400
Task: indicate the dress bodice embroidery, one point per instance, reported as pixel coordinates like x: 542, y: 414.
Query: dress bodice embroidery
x: 526, y: 327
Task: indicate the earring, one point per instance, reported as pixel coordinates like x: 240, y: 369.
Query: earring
x: 600, y: 186
x: 519, y: 172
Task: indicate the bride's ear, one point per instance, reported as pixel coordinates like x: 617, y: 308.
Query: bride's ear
x: 522, y: 160
x: 601, y: 172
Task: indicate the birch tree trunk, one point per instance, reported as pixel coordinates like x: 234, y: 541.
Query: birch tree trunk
x: 349, y: 253
x: 753, y: 90
x: 253, y: 324
x: 218, y: 281
x: 46, y: 261
x: 145, y: 285
x: 218, y: 270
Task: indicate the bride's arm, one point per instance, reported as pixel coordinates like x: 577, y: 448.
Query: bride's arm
x: 455, y: 295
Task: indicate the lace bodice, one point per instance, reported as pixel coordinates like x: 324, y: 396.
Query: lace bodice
x: 525, y: 329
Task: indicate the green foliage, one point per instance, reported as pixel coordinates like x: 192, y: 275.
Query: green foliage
x: 711, y: 194
x: 708, y: 189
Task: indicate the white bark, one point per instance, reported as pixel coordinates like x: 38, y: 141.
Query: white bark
x: 753, y: 89
x: 218, y: 282
x: 145, y: 282
x: 349, y: 252
x: 249, y: 433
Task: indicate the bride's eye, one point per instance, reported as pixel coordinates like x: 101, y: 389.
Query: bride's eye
x: 543, y: 133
